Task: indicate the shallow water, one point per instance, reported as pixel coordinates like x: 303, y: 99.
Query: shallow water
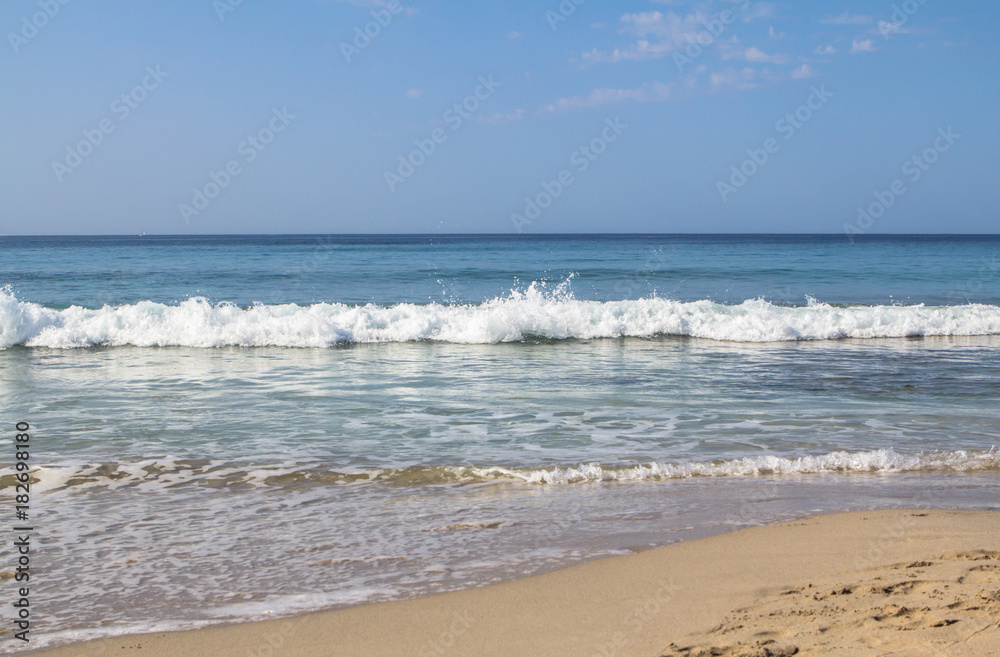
x: 491, y: 428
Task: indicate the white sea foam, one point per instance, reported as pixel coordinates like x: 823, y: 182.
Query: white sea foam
x: 272, y: 607
x: 882, y: 460
x: 520, y: 315
x: 162, y: 474
x: 58, y: 638
x: 277, y: 606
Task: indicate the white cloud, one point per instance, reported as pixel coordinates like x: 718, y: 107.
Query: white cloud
x: 744, y: 79
x: 803, y: 72
x: 501, y: 117
x: 758, y: 10
x: 409, y: 11
x: 860, y: 45
x: 825, y: 50
x: 657, y: 35
x: 647, y: 93
x: 414, y: 93
x: 514, y: 34
x: 885, y: 28
x: 666, y: 26
x: 640, y: 51
x: 755, y: 55
x: 847, y: 19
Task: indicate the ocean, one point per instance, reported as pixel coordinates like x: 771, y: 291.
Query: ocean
x: 234, y: 428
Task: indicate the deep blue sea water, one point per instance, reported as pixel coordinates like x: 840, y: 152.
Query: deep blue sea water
x: 230, y: 428
x: 94, y: 271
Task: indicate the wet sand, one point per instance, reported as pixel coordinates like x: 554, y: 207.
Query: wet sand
x: 865, y: 583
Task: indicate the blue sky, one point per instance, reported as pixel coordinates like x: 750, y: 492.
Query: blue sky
x: 640, y: 116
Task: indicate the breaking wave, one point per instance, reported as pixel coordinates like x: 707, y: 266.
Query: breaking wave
x: 519, y: 316
x: 166, y: 473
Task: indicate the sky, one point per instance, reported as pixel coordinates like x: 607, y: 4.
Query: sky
x: 523, y: 116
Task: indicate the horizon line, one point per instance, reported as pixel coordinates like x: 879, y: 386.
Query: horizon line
x: 510, y: 235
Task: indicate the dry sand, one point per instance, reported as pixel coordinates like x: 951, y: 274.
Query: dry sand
x: 872, y: 583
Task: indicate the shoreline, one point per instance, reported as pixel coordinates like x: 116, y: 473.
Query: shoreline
x: 871, y: 582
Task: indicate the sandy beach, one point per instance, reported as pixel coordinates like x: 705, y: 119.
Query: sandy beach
x: 865, y: 583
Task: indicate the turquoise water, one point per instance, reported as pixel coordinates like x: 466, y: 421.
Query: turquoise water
x: 236, y: 428
x: 94, y: 271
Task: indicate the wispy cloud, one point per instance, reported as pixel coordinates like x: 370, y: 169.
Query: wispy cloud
x: 654, y: 23
x: 409, y: 11
x: 756, y: 55
x: 826, y: 50
x: 414, y: 93
x: 887, y: 28
x: 660, y: 34
x: 860, y: 45
x: 743, y: 79
x: 647, y: 93
x: 504, y: 117
x: 514, y: 34
x: 847, y: 19
x: 803, y: 72
x: 657, y: 35
x: 758, y: 10
x: 640, y: 51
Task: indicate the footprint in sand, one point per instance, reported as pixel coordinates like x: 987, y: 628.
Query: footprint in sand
x: 942, y: 602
